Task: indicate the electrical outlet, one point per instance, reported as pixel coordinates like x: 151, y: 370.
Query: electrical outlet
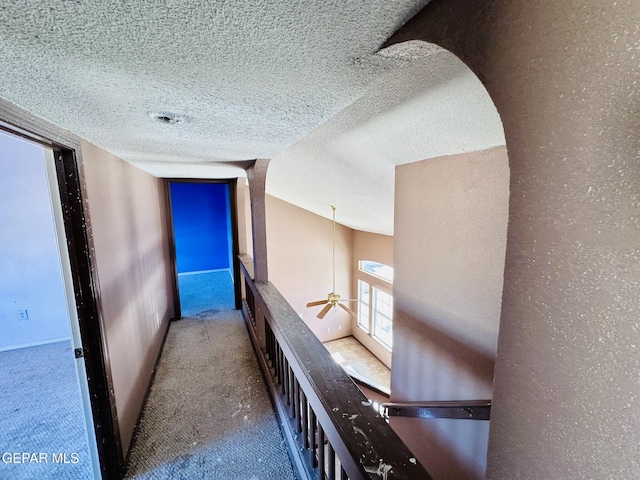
x: 23, y: 315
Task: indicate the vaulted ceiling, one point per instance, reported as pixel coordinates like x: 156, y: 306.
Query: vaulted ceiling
x: 189, y: 88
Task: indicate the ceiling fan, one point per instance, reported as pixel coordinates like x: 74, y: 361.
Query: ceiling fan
x: 333, y: 299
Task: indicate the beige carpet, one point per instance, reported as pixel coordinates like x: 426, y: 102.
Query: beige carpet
x: 208, y: 415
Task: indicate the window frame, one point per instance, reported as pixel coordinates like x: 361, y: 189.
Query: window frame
x: 375, y: 313
x: 375, y: 284
x: 379, y: 277
x: 364, y: 326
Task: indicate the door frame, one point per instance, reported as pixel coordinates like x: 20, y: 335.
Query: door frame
x: 235, y: 248
x: 71, y: 185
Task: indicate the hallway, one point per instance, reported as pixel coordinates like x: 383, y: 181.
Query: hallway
x: 208, y: 414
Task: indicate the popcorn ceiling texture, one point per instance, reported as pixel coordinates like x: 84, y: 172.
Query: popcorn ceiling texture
x: 432, y: 106
x: 298, y: 82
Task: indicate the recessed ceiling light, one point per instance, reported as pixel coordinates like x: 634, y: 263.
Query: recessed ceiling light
x: 167, y: 118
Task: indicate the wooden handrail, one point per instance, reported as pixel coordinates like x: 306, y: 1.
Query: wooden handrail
x: 329, y: 425
x: 462, y: 410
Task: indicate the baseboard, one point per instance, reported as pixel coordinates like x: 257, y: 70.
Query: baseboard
x: 146, y: 395
x: 183, y: 274
x: 34, y: 344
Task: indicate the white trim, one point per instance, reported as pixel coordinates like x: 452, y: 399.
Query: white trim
x: 35, y: 344
x: 375, y: 313
x: 361, y: 310
x: 206, y: 271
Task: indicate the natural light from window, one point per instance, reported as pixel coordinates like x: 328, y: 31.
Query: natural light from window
x: 380, y: 270
x: 363, y: 305
x: 383, y: 316
x: 375, y: 302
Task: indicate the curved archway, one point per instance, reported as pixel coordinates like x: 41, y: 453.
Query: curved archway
x: 450, y: 232
x: 562, y: 78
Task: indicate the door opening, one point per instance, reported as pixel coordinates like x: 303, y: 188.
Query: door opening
x: 205, y: 246
x: 45, y: 409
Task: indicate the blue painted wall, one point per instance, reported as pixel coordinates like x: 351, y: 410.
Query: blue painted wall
x: 202, y: 227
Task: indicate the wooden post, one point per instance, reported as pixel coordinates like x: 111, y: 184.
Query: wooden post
x: 257, y: 175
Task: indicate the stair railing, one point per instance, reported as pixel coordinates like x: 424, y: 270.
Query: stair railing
x: 328, y: 424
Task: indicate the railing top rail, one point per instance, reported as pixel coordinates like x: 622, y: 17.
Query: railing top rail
x: 247, y: 264
x: 362, y: 439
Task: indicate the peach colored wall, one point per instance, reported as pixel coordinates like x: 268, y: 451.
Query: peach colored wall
x: 450, y: 240
x: 127, y: 212
x: 299, y: 247
x: 243, y: 212
x: 564, y: 78
x: 379, y: 248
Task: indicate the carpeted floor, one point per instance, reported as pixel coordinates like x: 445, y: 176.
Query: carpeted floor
x: 41, y: 412
x: 205, y: 293
x: 208, y: 414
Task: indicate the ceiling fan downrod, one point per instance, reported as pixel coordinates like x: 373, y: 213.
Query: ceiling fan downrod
x: 333, y: 291
x: 333, y: 299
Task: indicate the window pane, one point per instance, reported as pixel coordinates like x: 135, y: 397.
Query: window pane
x: 377, y: 269
x: 363, y: 305
x: 383, y: 317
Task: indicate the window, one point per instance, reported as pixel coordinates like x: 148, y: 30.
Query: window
x: 363, y: 305
x: 380, y: 270
x: 375, y: 302
x: 383, y: 316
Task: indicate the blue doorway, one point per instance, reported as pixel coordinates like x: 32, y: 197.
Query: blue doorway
x: 204, y: 246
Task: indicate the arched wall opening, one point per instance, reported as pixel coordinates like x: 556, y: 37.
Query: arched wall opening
x: 450, y: 235
x: 563, y: 78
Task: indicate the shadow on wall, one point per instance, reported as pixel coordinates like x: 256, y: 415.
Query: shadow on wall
x: 449, y: 369
x: 443, y: 461
x: 449, y: 247
x: 451, y: 363
x: 130, y: 237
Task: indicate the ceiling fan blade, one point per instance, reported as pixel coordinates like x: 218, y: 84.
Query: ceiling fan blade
x: 348, y: 310
x: 324, y: 311
x: 319, y: 302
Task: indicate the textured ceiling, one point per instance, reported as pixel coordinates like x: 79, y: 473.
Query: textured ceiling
x: 298, y: 82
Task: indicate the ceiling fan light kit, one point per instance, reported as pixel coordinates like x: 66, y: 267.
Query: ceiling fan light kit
x: 333, y: 299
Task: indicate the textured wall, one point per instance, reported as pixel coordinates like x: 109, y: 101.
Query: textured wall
x: 449, y: 246
x: 127, y: 211
x: 564, y: 77
x: 379, y: 248
x: 300, y: 264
